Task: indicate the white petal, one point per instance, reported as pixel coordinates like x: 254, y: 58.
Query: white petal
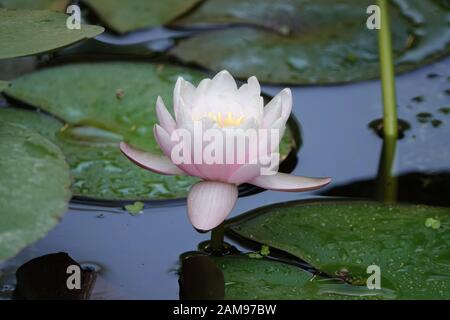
x: 290, y: 183
x: 210, y: 202
x: 250, y: 89
x: 286, y: 103
x: 183, y: 114
x: 187, y: 92
x: 164, y: 117
x: 177, y: 96
x: 272, y: 112
x: 223, y: 81
x: 158, y: 164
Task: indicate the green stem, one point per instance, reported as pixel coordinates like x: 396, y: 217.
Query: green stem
x: 217, y: 236
x: 387, y: 184
x: 387, y: 73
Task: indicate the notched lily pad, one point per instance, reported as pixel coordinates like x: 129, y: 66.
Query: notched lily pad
x: 311, y: 42
x: 351, y: 236
x: 84, y: 97
x: 34, y: 188
x: 125, y: 16
x: 28, y: 32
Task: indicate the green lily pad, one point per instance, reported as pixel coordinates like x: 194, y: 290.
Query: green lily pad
x: 28, y: 32
x: 101, y: 104
x: 100, y: 171
x: 312, y: 42
x: 34, y: 191
x: 125, y: 16
x: 58, y: 5
x: 333, y: 236
x: 3, y: 85
x: 262, y: 279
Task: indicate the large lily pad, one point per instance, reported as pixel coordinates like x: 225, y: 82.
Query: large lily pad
x: 312, y: 42
x: 125, y: 16
x: 100, y: 105
x: 58, y: 5
x: 34, y: 189
x: 28, y: 32
x: 409, y: 243
x: 260, y: 279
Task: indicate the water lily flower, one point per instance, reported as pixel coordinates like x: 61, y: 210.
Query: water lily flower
x: 219, y: 104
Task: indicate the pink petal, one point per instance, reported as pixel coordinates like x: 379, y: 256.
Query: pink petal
x: 210, y: 202
x: 164, y: 117
x: 166, y: 145
x: 290, y: 183
x: 158, y: 164
x: 163, y: 139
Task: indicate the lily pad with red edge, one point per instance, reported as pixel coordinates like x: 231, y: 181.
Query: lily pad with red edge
x: 311, y: 42
x: 348, y: 235
x: 94, y: 119
x: 34, y: 188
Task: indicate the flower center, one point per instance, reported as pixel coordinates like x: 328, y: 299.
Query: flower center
x: 227, y: 120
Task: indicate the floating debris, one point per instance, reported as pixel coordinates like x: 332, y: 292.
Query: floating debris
x: 377, y: 127
x: 418, y: 99
x: 424, y: 117
x: 432, y: 223
x: 433, y: 75
x: 120, y: 94
x: 444, y: 110
x: 436, y: 123
x: 135, y: 208
x: 264, y: 252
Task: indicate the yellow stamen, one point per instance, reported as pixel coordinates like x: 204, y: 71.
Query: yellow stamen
x: 227, y: 121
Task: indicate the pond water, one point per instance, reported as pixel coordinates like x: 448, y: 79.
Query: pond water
x: 138, y: 255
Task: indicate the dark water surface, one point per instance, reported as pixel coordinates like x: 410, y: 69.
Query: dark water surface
x: 138, y: 255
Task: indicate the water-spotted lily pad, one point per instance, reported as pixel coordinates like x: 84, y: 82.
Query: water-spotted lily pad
x: 312, y: 42
x: 260, y: 279
x: 34, y: 188
x: 100, y: 105
x: 58, y: 5
x: 125, y: 16
x: 100, y: 171
x: 28, y: 32
x: 347, y: 237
